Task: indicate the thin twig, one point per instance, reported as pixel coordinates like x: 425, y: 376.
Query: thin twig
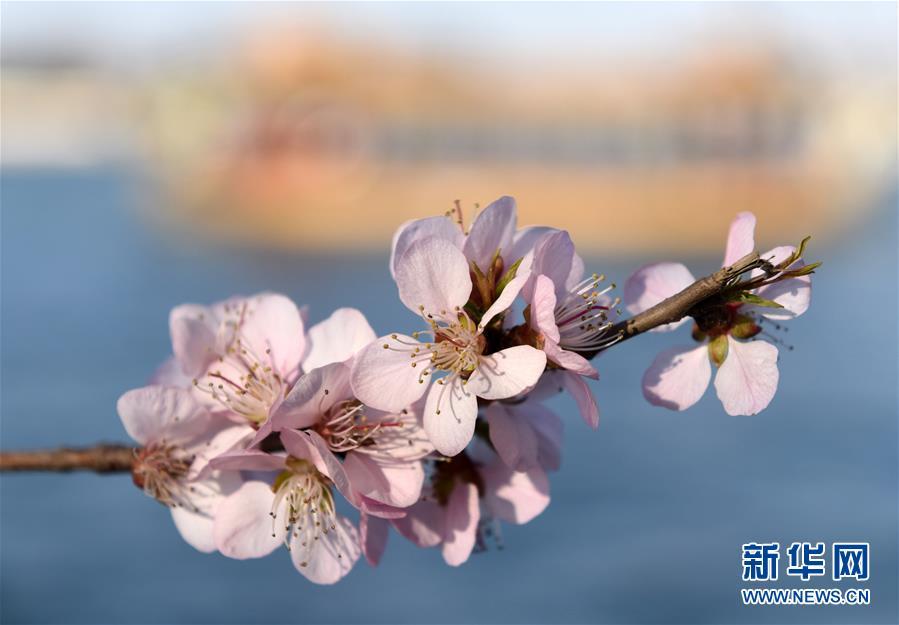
x: 681, y: 304
x: 102, y: 458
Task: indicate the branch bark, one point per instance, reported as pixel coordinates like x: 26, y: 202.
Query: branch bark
x: 101, y: 458
x: 704, y: 291
x: 114, y: 458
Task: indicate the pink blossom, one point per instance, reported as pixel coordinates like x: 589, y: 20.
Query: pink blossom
x: 294, y: 507
x: 381, y: 451
x: 570, y: 314
x: 242, y: 354
x: 395, y: 371
x: 747, y: 374
x: 466, y: 499
x: 492, y: 231
x: 337, y: 339
x: 525, y: 434
x: 178, y: 437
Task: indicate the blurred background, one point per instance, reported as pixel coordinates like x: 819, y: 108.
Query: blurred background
x: 154, y: 154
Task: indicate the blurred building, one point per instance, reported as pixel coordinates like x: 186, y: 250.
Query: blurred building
x: 318, y: 142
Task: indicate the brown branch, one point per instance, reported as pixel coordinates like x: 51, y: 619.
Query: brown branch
x: 682, y: 304
x: 107, y: 458
x: 102, y: 458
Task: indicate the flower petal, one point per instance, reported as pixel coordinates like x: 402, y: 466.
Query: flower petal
x: 547, y: 427
x: 433, y: 274
x: 155, y: 412
x: 248, y: 460
x: 328, y: 559
x: 505, y: 299
x: 794, y: 294
x: 570, y: 361
x: 678, y: 377
x: 740, y: 238
x: 512, y: 436
x: 553, y: 257
x: 524, y: 242
x: 373, y: 534
x: 548, y: 387
x: 312, y: 396
x: 747, y: 379
x: 273, y: 328
x: 195, y: 528
x: 309, y: 445
x: 543, y: 306
x: 378, y: 509
x: 385, y: 378
x: 441, y: 227
x: 654, y: 283
x: 223, y: 441
x: 423, y: 523
x: 515, y: 496
x: 507, y: 373
x: 337, y: 338
x: 193, y: 330
x: 491, y: 231
x: 394, y: 483
x: 577, y: 272
x: 194, y: 520
x: 449, y: 416
x: 170, y: 373
x: 243, y: 526
x: 583, y: 397
x: 463, y: 512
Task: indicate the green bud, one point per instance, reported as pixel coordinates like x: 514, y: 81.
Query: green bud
x: 718, y: 349
x: 744, y: 327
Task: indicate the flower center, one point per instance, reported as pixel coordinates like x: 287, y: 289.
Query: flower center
x: 725, y: 319
x: 303, y: 497
x: 243, y: 381
x: 345, y: 427
x: 455, y: 345
x: 160, y: 469
x: 582, y: 315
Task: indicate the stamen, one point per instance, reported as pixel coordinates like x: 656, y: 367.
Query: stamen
x: 455, y: 348
x: 252, y: 385
x: 161, y: 469
x: 582, y: 316
x: 305, y: 496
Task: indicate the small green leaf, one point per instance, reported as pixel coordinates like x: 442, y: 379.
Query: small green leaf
x: 802, y: 271
x: 718, y: 349
x: 496, y: 266
x: 507, y: 277
x: 476, y: 270
x: 755, y: 300
x: 802, y: 244
x: 481, y: 284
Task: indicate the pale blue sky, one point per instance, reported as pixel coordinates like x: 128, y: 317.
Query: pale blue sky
x: 836, y: 33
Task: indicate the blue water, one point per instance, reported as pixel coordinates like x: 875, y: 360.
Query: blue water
x: 648, y: 513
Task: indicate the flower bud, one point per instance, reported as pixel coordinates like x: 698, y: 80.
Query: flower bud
x: 718, y: 349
